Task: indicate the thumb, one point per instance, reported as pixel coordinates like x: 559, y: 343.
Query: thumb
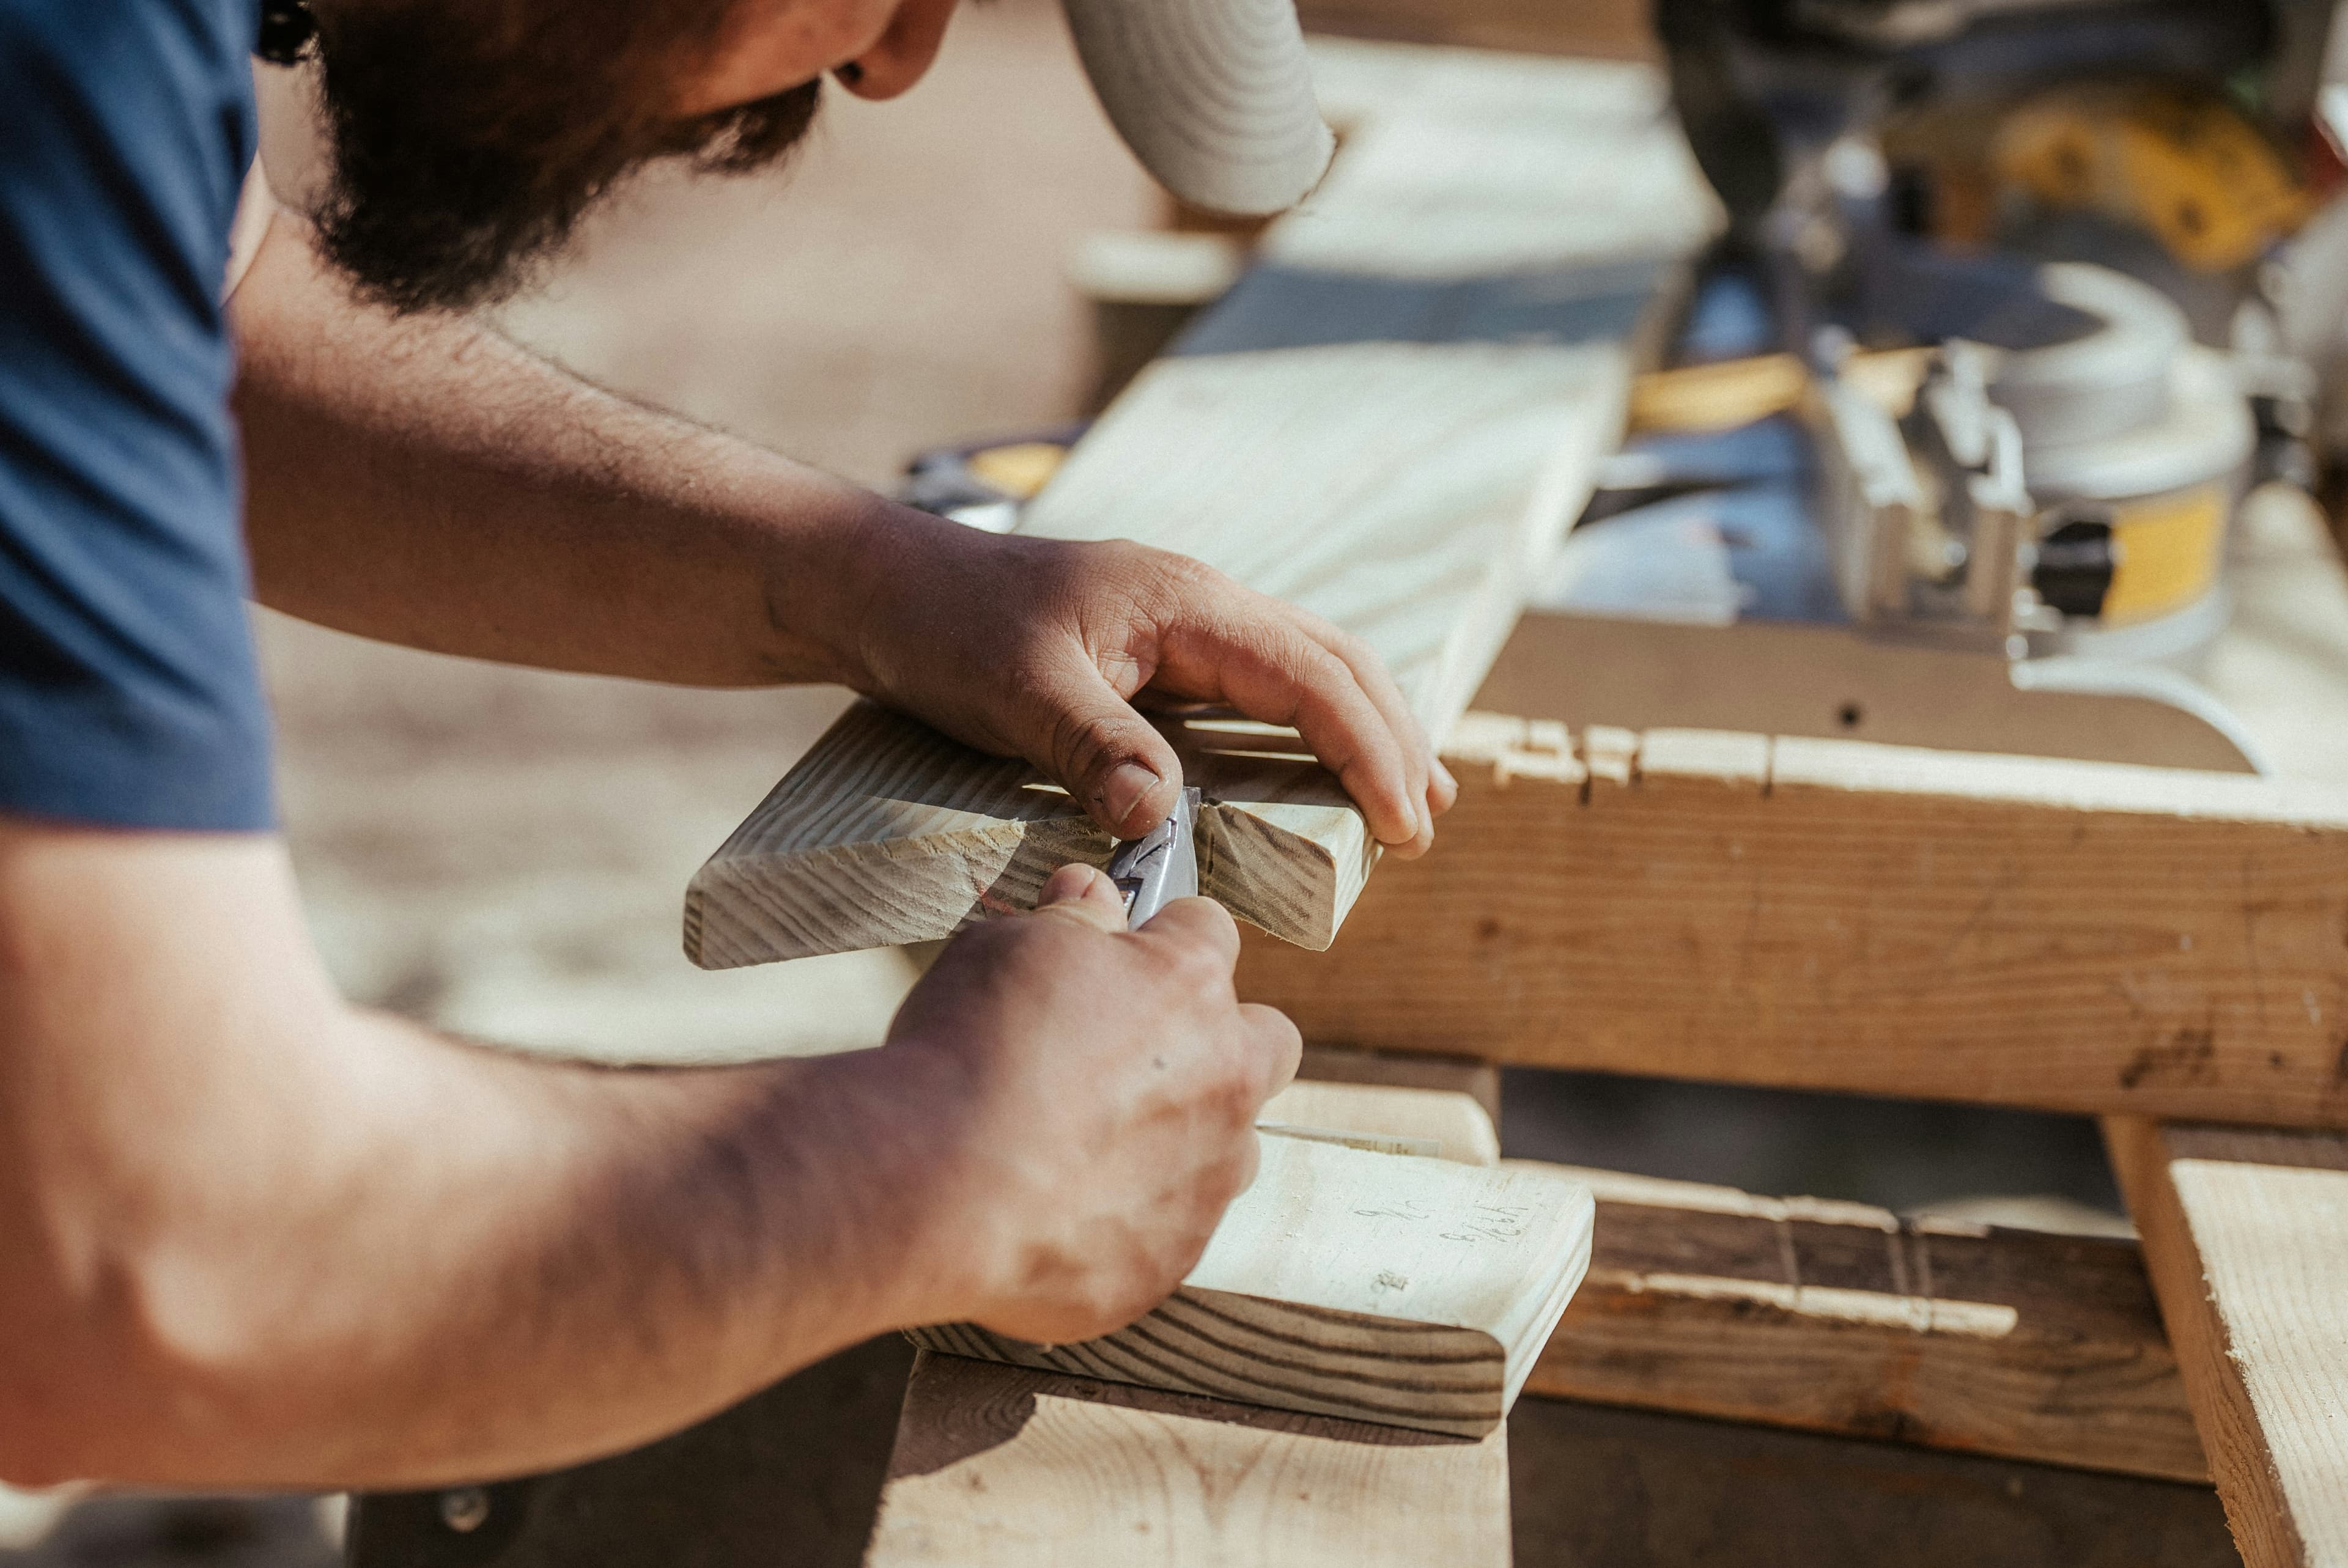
x: 1110, y: 758
x: 1079, y: 892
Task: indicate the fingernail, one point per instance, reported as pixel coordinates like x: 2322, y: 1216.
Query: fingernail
x: 1445, y: 774
x: 1128, y: 784
x: 1068, y: 885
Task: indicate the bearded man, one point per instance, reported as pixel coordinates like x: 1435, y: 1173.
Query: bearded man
x: 252, y: 1235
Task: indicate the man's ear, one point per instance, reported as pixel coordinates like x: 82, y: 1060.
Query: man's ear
x: 902, y: 54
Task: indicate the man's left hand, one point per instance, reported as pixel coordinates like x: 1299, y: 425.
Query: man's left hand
x: 1038, y: 647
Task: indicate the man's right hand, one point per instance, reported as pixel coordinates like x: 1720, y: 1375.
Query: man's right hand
x: 1108, y: 1086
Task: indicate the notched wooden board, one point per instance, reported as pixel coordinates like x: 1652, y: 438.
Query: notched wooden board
x: 888, y: 832
x: 1409, y: 1292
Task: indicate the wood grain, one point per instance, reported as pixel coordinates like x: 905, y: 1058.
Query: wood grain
x: 1002, y: 1467
x: 1834, y: 915
x: 1841, y: 1318
x: 1378, y: 1288
x: 2246, y: 1235
x: 1404, y: 491
x: 888, y: 833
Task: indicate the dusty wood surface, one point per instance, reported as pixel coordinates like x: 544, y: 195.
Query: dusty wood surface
x: 1834, y: 915
x: 1004, y: 1465
x: 1374, y: 1286
x: 1841, y: 1318
x: 2246, y: 1235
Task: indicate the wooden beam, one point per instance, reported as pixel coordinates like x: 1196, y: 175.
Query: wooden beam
x: 2246, y: 1235
x: 1406, y: 492
x: 1005, y: 1467
x: 1371, y: 1286
x: 1841, y: 1318
x: 1839, y: 915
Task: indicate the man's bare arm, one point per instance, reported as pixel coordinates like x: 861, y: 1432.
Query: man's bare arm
x: 250, y: 1236
x: 427, y: 482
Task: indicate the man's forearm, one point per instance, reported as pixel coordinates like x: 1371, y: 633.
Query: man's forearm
x: 428, y: 482
x: 251, y: 1238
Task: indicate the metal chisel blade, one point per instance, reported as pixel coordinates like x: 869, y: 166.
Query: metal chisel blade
x: 1161, y: 865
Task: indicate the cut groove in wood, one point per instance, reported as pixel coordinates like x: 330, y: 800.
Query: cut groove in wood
x: 1376, y: 1288
x: 1841, y: 1317
x: 2246, y: 1236
x: 1841, y: 916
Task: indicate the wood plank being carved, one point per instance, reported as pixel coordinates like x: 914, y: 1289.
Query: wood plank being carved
x: 2246, y: 1235
x: 1836, y: 914
x: 1005, y: 1467
x: 1404, y: 491
x: 1841, y: 1317
x: 1377, y: 1287
x: 1017, y: 1467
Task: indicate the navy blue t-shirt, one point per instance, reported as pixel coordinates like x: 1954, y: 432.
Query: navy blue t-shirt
x: 128, y: 689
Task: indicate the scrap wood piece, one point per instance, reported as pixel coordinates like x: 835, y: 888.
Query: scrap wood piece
x: 1406, y: 492
x: 1372, y: 1287
x: 2246, y: 1235
x: 1005, y: 1467
x: 1842, y: 1317
x: 1842, y: 916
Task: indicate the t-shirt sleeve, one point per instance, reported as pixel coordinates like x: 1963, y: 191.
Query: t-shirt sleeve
x: 129, y: 692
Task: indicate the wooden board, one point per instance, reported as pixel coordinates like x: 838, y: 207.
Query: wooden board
x: 1371, y: 1286
x: 2246, y: 1235
x: 1841, y: 1318
x: 1404, y: 491
x: 1835, y: 915
x: 1004, y: 1466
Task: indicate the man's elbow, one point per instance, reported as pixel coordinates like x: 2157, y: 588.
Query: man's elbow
x: 112, y: 1369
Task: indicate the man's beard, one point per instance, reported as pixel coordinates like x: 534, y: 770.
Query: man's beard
x: 469, y: 137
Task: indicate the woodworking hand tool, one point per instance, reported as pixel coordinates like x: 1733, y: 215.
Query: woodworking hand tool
x: 1161, y: 865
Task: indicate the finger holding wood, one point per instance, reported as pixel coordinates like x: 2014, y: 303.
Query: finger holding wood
x: 1101, y: 1089
x: 1038, y: 647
